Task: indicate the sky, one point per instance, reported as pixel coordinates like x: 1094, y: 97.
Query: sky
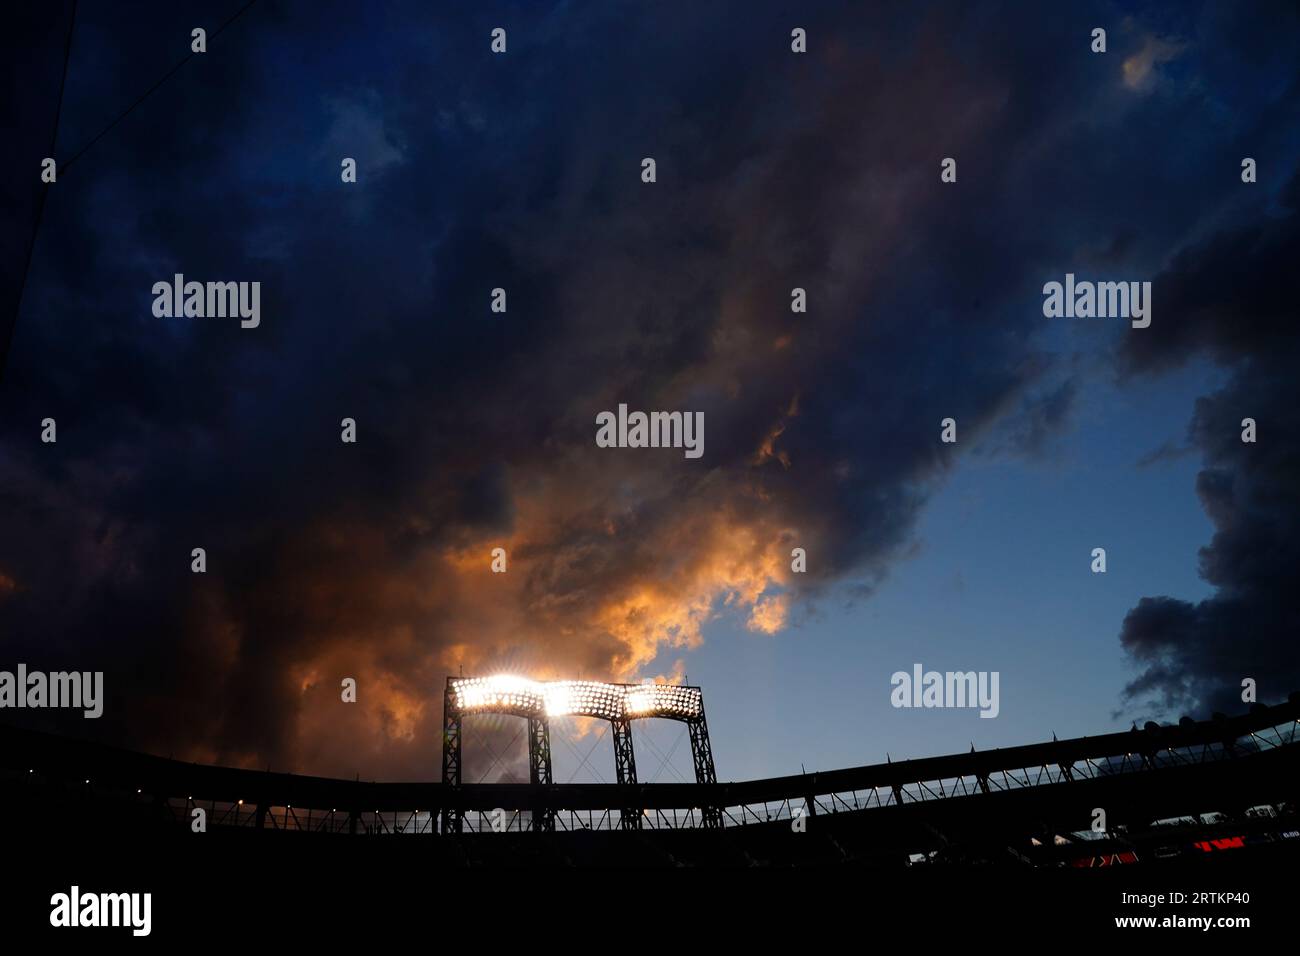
x: 476, y: 429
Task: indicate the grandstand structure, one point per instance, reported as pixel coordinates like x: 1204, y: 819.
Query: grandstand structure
x: 1198, y: 788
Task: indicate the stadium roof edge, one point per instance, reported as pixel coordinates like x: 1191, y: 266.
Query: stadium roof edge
x: 23, y: 749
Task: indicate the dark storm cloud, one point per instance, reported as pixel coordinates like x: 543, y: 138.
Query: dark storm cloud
x: 1235, y: 302
x: 476, y: 430
x: 1229, y: 297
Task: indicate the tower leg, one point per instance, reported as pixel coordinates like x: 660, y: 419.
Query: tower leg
x: 625, y: 770
x: 451, y: 733
x: 702, y: 753
x: 539, y: 768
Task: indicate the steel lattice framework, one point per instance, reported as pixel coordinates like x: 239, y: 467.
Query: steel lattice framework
x: 625, y: 769
x: 536, y: 701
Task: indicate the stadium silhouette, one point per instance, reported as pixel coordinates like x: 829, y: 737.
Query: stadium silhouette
x: 1204, y: 790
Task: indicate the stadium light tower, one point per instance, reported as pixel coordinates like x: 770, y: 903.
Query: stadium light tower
x: 538, y: 701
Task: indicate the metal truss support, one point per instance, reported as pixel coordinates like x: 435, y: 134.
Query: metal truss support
x: 452, y: 818
x: 702, y: 754
x: 701, y: 751
x: 539, y: 768
x: 625, y: 769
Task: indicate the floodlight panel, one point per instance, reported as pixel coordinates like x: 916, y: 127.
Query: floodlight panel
x: 503, y: 694
x: 511, y: 694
